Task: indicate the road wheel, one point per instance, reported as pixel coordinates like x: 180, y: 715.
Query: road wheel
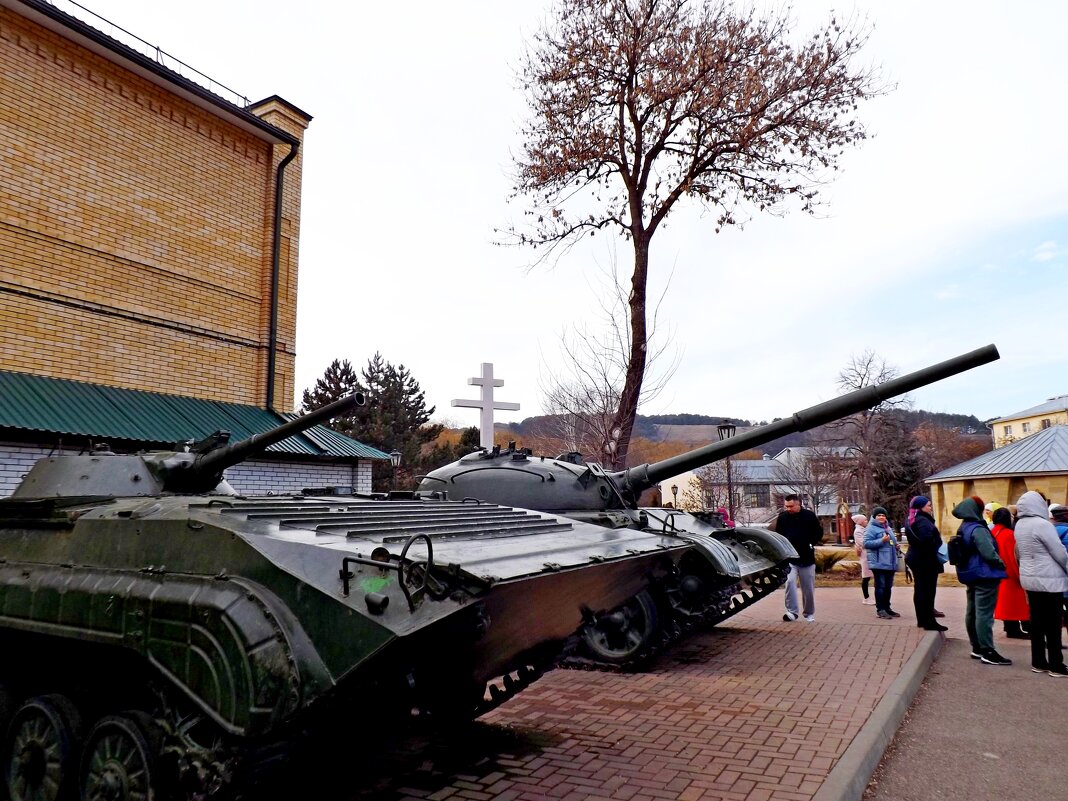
x: 41, y: 750
x: 624, y: 633
x: 120, y: 761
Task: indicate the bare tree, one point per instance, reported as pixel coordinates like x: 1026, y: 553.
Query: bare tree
x: 582, y: 392
x: 945, y: 447
x: 865, y: 431
x: 637, y: 104
x: 708, y: 489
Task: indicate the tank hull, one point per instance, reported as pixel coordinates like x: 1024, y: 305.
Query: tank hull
x: 241, y: 606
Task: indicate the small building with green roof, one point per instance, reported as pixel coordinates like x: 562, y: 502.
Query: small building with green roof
x: 40, y: 416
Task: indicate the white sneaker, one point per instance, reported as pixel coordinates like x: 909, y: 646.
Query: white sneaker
x: 810, y: 618
x: 868, y: 602
x: 789, y: 617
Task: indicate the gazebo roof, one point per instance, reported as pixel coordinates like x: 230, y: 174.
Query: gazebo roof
x: 1043, y: 452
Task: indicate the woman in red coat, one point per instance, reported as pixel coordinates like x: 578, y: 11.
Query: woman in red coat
x: 1012, y: 600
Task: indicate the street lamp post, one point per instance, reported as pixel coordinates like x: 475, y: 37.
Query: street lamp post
x: 394, y: 461
x: 675, y: 496
x: 726, y: 431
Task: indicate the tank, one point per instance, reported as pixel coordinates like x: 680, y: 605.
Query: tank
x: 159, y: 631
x: 726, y: 569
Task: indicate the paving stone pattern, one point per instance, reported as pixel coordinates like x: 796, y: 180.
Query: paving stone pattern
x: 753, y: 709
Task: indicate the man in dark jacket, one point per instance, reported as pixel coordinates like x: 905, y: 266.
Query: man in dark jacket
x: 803, y: 529
x: 981, y: 573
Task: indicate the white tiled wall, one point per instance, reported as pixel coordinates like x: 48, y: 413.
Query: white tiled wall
x: 15, y: 462
x: 280, y: 478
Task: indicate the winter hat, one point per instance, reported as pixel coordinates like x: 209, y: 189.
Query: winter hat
x: 878, y: 510
x: 857, y: 518
x: 1056, y: 507
x: 916, y: 505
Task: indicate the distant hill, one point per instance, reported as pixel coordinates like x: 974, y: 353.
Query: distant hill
x: 697, y: 429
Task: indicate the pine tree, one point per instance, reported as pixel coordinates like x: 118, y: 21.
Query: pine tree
x: 396, y: 416
x: 339, y: 381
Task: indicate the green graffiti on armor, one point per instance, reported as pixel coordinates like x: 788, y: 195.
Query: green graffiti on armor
x: 375, y: 583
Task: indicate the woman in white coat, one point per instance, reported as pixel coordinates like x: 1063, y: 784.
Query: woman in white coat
x: 1044, y: 575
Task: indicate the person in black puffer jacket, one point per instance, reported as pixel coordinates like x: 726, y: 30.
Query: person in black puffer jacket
x: 922, y: 559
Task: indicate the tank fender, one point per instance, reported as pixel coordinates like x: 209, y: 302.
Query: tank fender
x: 719, y: 555
x: 774, y: 547
x: 230, y: 645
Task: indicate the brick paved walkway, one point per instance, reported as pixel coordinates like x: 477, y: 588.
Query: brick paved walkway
x: 752, y: 709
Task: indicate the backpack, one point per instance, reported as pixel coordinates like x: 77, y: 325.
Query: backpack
x: 957, y: 549
x: 960, y: 547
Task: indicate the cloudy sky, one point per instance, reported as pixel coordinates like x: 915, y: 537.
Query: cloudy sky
x: 946, y: 231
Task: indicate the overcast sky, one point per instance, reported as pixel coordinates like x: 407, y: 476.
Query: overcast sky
x: 945, y: 231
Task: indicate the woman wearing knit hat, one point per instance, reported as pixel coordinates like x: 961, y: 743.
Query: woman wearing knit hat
x: 922, y: 559
x: 881, y: 545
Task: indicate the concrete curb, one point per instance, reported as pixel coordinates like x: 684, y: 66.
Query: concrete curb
x: 850, y: 776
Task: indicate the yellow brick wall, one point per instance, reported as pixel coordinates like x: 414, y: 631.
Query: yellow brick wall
x: 1009, y: 431
x: 135, y: 229
x: 1004, y: 490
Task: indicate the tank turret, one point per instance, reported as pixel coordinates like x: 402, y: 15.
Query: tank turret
x: 566, y: 487
x: 193, y: 469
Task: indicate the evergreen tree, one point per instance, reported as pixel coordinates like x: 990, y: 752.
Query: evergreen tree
x: 396, y: 417
x: 339, y: 381
x: 443, y: 453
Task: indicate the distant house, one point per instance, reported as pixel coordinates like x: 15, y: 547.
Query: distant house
x: 1014, y: 427
x: 759, y: 485
x: 1039, y: 462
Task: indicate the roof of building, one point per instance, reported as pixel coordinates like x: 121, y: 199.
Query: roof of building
x: 1057, y: 404
x: 1042, y: 452
x: 756, y: 471
x: 77, y: 408
x: 44, y: 13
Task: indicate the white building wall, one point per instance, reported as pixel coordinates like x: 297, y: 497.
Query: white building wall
x: 285, y: 478
x: 15, y: 462
x: 253, y: 477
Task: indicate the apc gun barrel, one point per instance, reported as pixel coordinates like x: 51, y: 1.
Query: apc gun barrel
x: 639, y: 478
x: 218, y: 460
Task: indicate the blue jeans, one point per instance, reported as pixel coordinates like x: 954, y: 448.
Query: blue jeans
x: 884, y: 583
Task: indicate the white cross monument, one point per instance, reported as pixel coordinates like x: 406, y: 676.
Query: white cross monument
x: 486, y: 403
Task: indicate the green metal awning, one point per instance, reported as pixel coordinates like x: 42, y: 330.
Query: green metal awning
x: 34, y: 403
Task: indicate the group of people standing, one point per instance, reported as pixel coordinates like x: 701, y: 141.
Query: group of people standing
x: 1013, y: 563
x: 880, y: 552
x: 1017, y: 573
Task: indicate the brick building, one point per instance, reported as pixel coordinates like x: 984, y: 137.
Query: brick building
x: 148, y: 226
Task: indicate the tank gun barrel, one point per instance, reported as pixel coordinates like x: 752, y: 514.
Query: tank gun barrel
x: 214, y: 462
x: 637, y: 479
